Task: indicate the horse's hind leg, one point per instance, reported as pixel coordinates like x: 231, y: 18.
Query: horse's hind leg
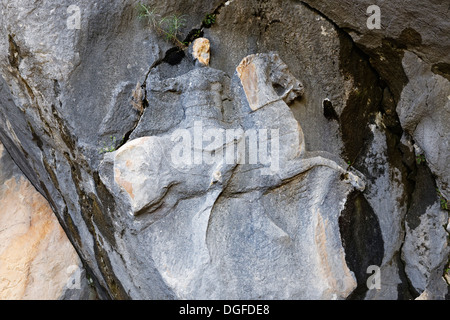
x: 298, y: 166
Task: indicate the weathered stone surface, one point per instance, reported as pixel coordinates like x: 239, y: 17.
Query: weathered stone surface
x: 37, y: 261
x: 348, y: 104
x: 414, y: 60
x: 425, y: 253
x: 404, y: 26
x: 423, y: 111
x: 218, y: 256
x: 425, y: 250
x: 410, y: 54
x: 201, y: 50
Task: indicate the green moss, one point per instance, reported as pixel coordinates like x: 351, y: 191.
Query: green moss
x: 445, y: 204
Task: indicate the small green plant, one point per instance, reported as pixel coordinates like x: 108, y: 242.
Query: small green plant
x: 169, y: 26
x: 145, y: 12
x: 209, y: 20
x: 420, y: 159
x: 349, y: 164
x: 447, y: 272
x: 197, y: 34
x: 111, y: 147
x: 90, y: 281
x: 445, y: 205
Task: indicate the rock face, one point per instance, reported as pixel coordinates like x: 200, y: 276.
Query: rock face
x: 423, y: 116
x: 420, y: 77
x: 281, y: 159
x: 37, y: 261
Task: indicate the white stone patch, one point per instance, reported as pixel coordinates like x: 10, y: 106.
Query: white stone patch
x: 383, y: 193
x: 425, y: 248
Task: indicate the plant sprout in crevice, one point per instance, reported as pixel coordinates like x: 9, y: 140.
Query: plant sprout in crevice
x: 169, y: 26
x: 112, y: 146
